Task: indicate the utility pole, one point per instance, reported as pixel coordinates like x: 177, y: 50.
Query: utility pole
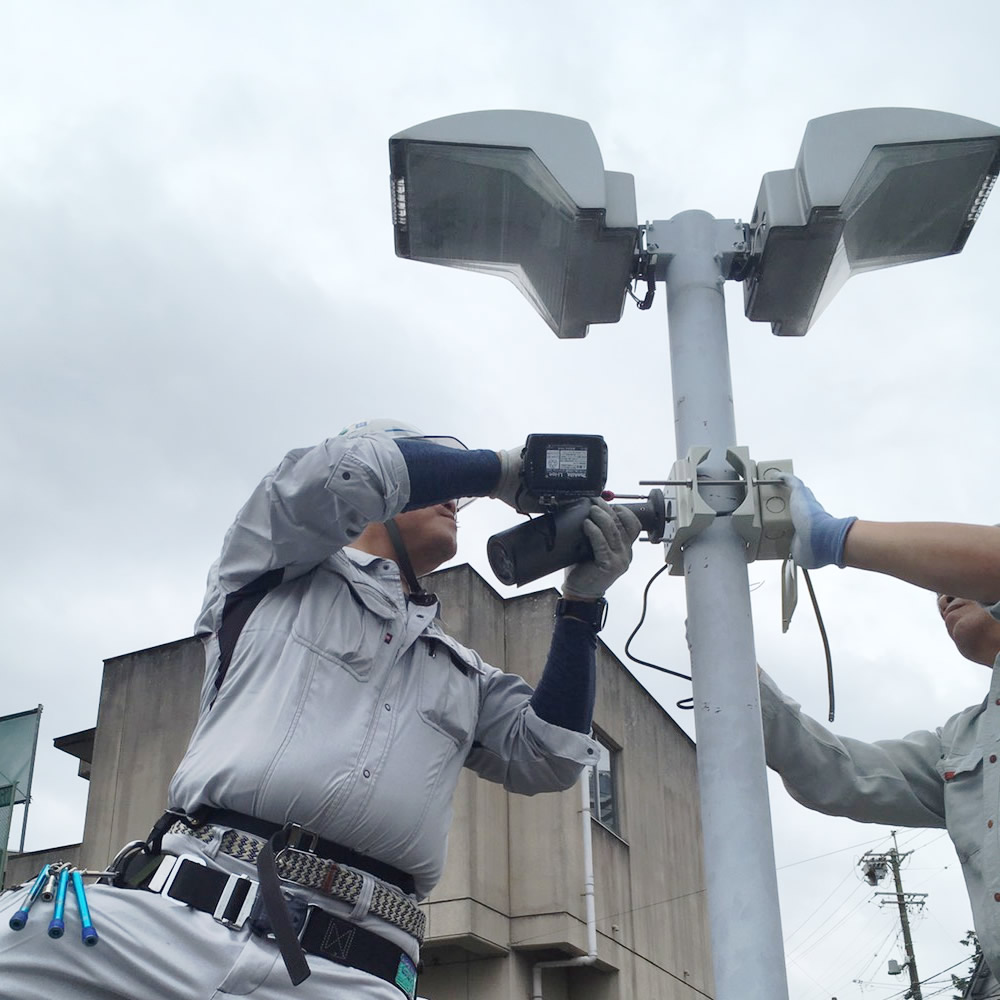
x: 875, y: 868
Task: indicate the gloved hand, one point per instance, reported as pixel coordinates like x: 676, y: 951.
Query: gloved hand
x: 611, y: 532
x: 509, y: 488
x: 819, y: 537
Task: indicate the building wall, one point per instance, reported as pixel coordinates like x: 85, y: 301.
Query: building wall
x: 512, y: 893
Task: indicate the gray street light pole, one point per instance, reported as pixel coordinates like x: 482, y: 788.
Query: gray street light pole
x: 693, y: 252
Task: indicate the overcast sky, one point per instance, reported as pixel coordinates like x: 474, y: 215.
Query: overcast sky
x: 197, y: 274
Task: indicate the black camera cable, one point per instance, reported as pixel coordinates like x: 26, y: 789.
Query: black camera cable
x: 688, y: 703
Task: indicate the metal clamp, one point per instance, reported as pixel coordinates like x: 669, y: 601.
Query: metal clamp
x: 761, y: 518
x: 694, y: 515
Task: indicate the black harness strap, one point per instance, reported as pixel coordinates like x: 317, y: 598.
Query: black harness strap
x: 277, y: 909
x: 239, y: 606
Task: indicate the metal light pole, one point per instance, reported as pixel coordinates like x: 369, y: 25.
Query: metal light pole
x: 693, y: 251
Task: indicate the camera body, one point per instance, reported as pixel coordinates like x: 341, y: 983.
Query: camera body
x: 559, y: 468
x: 564, y: 473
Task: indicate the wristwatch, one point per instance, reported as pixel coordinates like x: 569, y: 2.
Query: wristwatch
x: 592, y: 613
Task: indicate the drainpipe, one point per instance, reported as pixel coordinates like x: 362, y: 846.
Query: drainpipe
x: 588, y: 892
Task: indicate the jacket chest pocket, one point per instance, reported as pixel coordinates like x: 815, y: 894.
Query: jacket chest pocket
x: 343, y: 623
x: 965, y: 809
x: 447, y: 688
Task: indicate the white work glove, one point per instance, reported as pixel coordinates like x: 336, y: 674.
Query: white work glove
x: 509, y: 487
x: 819, y: 537
x: 611, y: 532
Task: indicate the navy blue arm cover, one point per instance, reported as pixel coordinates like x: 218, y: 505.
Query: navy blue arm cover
x: 565, y: 694
x: 438, y: 474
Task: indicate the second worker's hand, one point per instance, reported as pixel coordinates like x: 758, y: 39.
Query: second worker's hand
x: 819, y: 537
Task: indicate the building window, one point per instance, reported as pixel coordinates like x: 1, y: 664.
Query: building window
x: 604, y: 806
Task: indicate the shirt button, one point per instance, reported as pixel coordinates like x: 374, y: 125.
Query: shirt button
x: 388, y: 707
x: 993, y: 758
x: 989, y: 824
x: 366, y: 773
x: 996, y: 896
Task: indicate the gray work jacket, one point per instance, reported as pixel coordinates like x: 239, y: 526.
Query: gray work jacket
x: 338, y: 706
x: 945, y: 778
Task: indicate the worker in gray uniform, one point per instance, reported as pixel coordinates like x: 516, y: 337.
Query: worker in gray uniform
x: 311, y: 809
x: 948, y: 777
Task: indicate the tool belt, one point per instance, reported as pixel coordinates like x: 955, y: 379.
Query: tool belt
x: 298, y: 928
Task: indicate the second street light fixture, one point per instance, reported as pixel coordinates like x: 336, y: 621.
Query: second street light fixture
x: 870, y: 189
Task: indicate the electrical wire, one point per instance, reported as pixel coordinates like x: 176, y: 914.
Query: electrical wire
x: 826, y: 641
x: 684, y: 703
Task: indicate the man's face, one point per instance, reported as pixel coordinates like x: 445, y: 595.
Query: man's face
x: 430, y: 535
x: 975, y: 632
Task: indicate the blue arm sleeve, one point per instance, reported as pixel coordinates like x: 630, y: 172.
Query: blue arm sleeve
x: 438, y: 474
x: 565, y: 694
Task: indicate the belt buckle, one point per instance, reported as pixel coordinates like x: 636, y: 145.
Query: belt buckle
x: 300, y: 839
x: 163, y: 877
x: 311, y: 908
x: 227, y: 895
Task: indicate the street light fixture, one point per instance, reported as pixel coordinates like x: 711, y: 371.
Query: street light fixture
x: 870, y: 189
x: 526, y: 195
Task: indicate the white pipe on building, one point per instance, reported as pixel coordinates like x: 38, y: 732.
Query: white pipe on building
x: 588, y: 893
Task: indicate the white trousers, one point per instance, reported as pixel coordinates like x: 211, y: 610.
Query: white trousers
x: 153, y: 948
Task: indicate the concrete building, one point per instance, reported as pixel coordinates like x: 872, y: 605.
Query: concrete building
x: 512, y: 894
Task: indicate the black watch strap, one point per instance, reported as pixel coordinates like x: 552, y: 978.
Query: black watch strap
x: 593, y: 613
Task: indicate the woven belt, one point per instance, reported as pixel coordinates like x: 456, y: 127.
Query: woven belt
x: 325, y: 876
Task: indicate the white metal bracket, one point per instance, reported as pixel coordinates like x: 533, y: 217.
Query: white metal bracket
x: 693, y: 514
x: 762, y: 517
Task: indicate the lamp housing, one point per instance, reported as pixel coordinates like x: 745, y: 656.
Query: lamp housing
x: 870, y: 189
x: 524, y: 195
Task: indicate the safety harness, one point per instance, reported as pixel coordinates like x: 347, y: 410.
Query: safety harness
x: 282, y: 854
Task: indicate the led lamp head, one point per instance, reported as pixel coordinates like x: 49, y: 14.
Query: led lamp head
x: 522, y: 195
x: 871, y: 189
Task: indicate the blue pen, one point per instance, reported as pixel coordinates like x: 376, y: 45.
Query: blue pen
x: 89, y: 933
x: 20, y: 918
x: 57, y: 925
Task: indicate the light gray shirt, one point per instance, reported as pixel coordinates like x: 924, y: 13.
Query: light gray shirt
x: 947, y: 778
x: 344, y: 708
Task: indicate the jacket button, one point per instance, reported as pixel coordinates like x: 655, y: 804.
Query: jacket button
x: 366, y: 773
x: 996, y: 896
x: 989, y: 824
x: 993, y: 758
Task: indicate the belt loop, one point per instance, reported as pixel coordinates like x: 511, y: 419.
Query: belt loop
x: 277, y: 912
x: 364, y: 900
